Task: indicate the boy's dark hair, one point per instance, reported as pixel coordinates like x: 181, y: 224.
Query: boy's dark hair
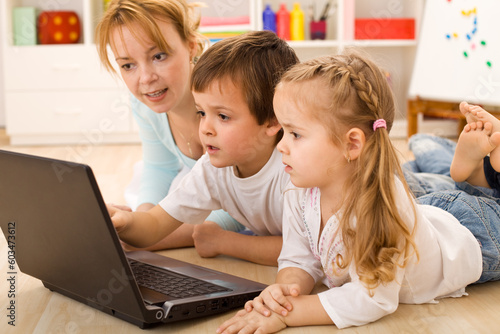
x: 254, y: 61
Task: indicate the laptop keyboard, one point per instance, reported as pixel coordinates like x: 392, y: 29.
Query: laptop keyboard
x: 170, y: 283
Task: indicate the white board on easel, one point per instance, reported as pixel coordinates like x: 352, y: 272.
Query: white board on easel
x: 458, y: 53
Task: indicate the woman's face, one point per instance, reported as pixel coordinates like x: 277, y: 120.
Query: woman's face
x: 159, y: 80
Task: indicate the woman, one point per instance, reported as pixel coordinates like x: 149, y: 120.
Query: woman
x: 155, y: 44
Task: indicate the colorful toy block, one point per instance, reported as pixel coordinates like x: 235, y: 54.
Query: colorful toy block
x: 58, y: 27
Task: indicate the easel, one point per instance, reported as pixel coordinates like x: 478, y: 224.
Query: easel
x: 439, y: 109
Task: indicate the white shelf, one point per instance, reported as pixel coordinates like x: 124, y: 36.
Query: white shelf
x: 396, y: 43
x: 74, y: 69
x: 60, y: 93
x: 314, y: 44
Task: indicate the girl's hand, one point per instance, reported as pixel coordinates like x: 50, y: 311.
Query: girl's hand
x: 273, y: 299
x: 252, y: 322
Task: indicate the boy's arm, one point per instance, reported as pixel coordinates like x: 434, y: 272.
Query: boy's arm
x: 258, y: 249
x: 142, y: 229
x: 211, y: 240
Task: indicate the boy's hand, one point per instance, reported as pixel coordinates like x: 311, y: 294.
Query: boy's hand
x: 273, y: 299
x: 207, y: 238
x: 121, y: 207
x: 252, y: 322
x: 121, y: 219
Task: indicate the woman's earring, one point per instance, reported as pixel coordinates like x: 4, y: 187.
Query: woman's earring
x: 194, y: 60
x: 348, y: 159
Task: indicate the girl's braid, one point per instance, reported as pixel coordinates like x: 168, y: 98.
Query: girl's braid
x: 364, y: 89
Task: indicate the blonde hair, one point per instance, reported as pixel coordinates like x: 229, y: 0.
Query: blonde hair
x: 360, y: 95
x: 145, y: 13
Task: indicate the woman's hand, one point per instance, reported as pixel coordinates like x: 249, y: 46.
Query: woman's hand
x: 273, y: 299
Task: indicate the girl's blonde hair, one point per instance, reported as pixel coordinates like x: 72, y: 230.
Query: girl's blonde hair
x: 145, y: 13
x: 360, y: 95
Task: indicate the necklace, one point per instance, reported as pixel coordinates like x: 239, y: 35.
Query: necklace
x: 188, y: 142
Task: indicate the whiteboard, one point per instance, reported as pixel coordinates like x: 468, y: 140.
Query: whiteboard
x: 458, y: 53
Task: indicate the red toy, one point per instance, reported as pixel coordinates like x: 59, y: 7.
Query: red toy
x: 58, y: 27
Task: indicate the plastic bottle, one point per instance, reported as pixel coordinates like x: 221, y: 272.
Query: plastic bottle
x: 297, y: 23
x: 283, y: 22
x: 269, y: 19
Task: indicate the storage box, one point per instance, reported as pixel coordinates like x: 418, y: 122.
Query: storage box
x: 24, y: 25
x: 383, y: 28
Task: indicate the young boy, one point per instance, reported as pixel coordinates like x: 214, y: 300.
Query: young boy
x: 480, y: 138
x: 241, y: 172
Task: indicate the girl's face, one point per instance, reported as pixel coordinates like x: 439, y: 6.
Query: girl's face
x: 160, y: 81
x: 311, y: 157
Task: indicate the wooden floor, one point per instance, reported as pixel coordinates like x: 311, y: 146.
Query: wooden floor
x: 477, y: 313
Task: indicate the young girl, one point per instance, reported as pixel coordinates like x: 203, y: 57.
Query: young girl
x: 349, y: 219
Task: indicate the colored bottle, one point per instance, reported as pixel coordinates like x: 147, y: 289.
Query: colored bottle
x: 269, y: 19
x: 283, y: 22
x: 297, y: 23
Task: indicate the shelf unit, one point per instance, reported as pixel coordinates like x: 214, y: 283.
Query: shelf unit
x: 395, y: 56
x: 61, y: 94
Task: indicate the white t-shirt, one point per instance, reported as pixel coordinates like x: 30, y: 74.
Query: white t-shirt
x: 450, y: 259
x: 255, y: 202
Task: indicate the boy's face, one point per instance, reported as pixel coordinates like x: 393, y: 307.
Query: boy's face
x: 228, y: 130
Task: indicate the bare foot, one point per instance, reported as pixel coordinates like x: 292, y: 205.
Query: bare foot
x: 474, y: 113
x: 465, y: 110
x: 476, y: 141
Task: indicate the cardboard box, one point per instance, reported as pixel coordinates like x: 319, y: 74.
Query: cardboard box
x: 383, y: 28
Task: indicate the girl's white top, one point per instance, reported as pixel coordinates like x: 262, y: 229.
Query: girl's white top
x: 450, y: 259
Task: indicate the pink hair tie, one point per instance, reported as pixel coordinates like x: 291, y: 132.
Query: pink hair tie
x: 379, y: 123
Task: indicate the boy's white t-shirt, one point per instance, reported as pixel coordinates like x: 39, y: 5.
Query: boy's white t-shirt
x: 449, y: 259
x: 256, y: 201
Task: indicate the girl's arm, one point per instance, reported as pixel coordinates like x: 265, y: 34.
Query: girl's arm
x: 142, y: 229
x: 290, y: 282
x: 307, y: 310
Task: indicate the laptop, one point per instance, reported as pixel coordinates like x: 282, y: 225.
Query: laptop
x: 64, y: 237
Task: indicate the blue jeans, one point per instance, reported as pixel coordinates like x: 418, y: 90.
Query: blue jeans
x: 432, y: 154
x: 476, y: 208
x: 492, y: 176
